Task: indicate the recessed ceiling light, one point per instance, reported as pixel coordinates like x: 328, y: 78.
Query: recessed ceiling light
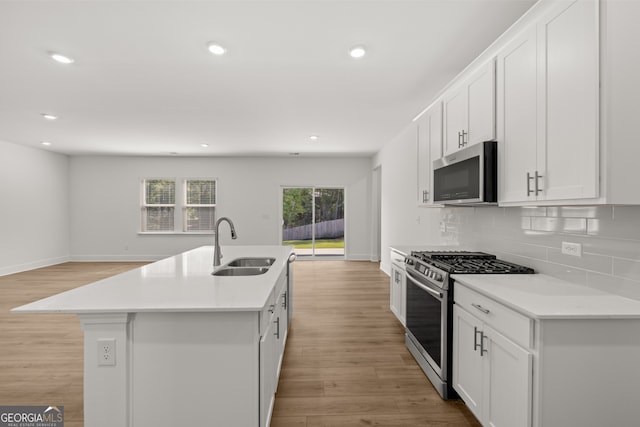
x: 45, y: 143
x: 61, y: 58
x: 313, y: 137
x: 204, y: 145
x: 49, y: 116
x: 357, y: 52
x: 216, y: 49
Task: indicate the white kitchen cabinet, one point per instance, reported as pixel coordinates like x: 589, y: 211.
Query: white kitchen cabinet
x: 429, y: 148
x: 398, y: 287
x: 273, y: 335
x: 268, y: 368
x: 531, y: 350
x: 547, y: 103
x: 491, y: 372
x: 469, y: 110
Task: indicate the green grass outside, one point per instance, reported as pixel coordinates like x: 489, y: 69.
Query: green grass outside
x: 320, y: 244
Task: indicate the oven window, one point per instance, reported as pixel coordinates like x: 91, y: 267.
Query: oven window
x: 458, y: 181
x: 424, y: 320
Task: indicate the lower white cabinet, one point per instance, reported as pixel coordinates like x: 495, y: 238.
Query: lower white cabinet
x: 273, y: 335
x: 491, y: 373
x: 397, y: 287
x: 558, y: 366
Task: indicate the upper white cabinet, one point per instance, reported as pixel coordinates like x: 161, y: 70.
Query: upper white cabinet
x: 547, y: 107
x: 469, y: 110
x: 429, y: 148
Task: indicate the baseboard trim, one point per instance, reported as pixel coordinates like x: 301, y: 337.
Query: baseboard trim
x: 19, y: 268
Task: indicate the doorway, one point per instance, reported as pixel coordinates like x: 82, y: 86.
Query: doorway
x: 313, y: 221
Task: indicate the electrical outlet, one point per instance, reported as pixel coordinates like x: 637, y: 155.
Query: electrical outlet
x: 573, y: 249
x: 107, y: 352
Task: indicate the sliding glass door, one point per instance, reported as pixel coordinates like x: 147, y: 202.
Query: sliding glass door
x: 313, y: 220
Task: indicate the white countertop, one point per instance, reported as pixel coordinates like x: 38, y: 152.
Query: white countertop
x: 182, y: 283
x: 544, y: 297
x: 406, y: 249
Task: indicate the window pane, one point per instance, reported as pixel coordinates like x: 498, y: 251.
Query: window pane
x: 160, y: 192
x: 200, y: 219
x: 159, y: 219
x: 201, y: 192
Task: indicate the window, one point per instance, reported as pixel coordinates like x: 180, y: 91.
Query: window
x: 199, y: 205
x: 165, y: 206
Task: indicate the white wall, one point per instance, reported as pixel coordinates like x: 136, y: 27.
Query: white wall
x: 105, y: 201
x: 402, y: 221
x: 34, y: 219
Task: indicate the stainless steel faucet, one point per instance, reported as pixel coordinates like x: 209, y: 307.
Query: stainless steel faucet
x: 217, y: 254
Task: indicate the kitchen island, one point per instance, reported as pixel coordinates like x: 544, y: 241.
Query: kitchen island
x: 170, y: 344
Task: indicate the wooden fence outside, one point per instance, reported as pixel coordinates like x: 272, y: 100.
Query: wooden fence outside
x: 324, y: 230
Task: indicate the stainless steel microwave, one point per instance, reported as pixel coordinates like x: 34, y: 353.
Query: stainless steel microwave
x: 468, y: 176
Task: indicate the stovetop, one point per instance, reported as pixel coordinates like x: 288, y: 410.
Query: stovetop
x: 464, y: 262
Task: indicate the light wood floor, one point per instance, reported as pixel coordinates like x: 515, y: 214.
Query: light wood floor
x: 345, y: 362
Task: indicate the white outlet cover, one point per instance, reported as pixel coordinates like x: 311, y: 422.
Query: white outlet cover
x: 573, y: 249
x: 106, y: 352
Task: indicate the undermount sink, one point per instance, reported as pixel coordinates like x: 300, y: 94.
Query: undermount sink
x: 252, y: 262
x: 241, y: 271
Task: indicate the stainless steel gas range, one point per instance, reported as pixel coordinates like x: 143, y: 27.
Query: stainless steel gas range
x: 429, y: 306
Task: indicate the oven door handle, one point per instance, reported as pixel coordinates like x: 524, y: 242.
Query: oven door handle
x: 424, y: 287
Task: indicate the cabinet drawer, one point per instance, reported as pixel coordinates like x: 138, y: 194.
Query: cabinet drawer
x: 512, y: 324
x: 397, y: 260
x: 267, y: 312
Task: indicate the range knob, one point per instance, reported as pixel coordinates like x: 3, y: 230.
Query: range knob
x: 438, y: 277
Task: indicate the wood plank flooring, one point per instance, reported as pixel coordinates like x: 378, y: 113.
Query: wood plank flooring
x: 345, y: 363
x: 41, y: 355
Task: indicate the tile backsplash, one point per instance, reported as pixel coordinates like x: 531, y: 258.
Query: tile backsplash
x: 609, y: 235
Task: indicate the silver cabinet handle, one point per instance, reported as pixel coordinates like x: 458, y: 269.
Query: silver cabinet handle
x: 475, y: 339
x: 482, y: 349
x: 425, y: 196
x: 277, y: 332
x: 463, y: 135
x: 272, y: 308
x: 537, y: 179
x: 529, y: 190
x: 481, y: 308
x: 459, y: 139
x: 284, y: 300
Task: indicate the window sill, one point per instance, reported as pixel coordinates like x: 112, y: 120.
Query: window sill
x: 173, y: 233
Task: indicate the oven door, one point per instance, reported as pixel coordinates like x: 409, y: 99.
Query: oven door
x: 426, y: 322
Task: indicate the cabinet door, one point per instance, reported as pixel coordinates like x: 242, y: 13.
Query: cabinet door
x: 268, y: 373
x: 429, y: 149
x: 481, y: 110
x: 507, y: 382
x: 467, y: 360
x: 395, y: 298
x: 454, y: 111
x: 516, y: 117
x: 568, y: 78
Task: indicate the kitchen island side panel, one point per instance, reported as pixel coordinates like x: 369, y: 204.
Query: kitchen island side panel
x: 589, y: 374
x: 195, y: 369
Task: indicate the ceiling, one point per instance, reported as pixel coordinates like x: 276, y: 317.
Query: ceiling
x: 144, y: 83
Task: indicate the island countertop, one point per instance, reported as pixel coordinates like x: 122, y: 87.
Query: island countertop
x: 181, y: 283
